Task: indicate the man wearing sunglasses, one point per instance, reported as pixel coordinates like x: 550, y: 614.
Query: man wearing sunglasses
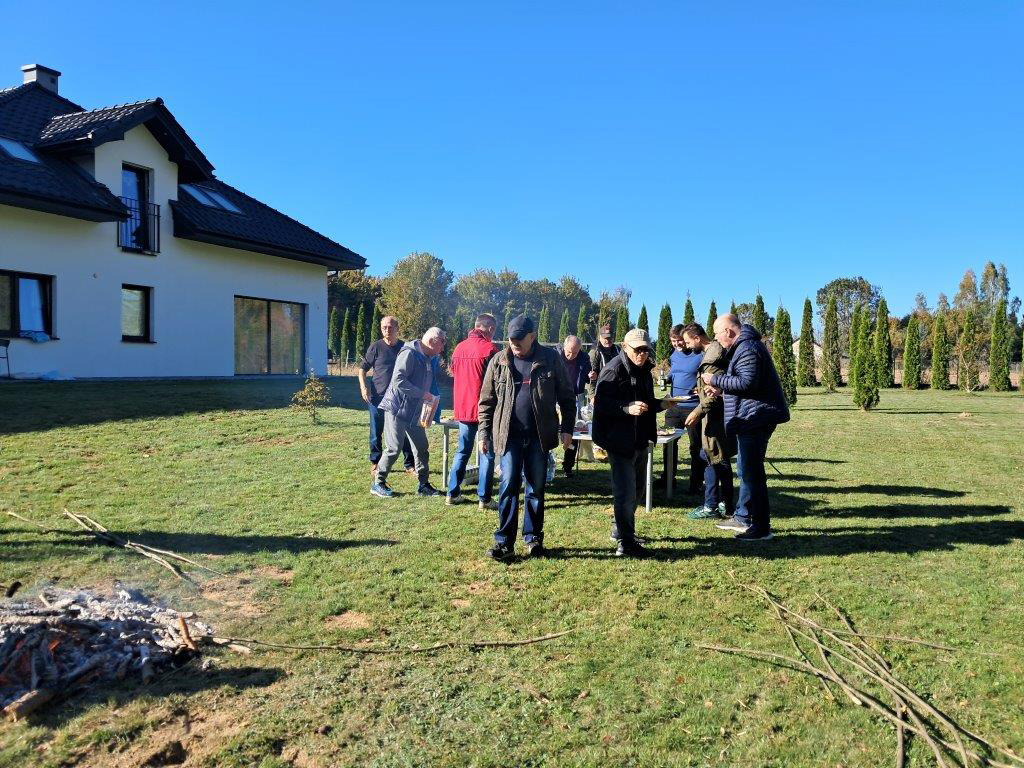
x: 624, y: 425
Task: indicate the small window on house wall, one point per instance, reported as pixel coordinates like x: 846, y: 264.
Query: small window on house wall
x: 136, y: 310
x: 25, y: 301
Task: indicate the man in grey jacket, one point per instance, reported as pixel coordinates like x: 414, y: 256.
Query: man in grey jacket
x: 402, y: 404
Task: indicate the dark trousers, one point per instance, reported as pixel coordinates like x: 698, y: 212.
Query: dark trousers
x: 628, y: 475
x: 524, y: 459
x: 377, y: 436
x: 676, y: 417
x: 466, y: 448
x: 753, y: 502
x: 718, y: 484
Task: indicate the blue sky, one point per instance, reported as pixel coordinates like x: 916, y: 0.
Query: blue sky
x: 717, y: 148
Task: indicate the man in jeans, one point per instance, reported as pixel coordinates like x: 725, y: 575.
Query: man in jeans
x: 469, y: 361
x: 403, y: 406
x: 683, y: 364
x: 754, y: 405
x: 625, y: 424
x: 577, y: 368
x: 380, y: 359
x: 524, y: 391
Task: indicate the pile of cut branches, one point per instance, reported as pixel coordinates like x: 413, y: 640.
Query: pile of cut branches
x: 849, y: 666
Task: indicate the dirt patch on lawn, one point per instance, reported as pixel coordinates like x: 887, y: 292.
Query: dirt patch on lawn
x: 480, y: 587
x: 460, y: 603
x: 349, y: 620
x: 239, y: 593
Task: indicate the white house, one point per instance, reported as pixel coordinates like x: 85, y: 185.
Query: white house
x: 121, y: 254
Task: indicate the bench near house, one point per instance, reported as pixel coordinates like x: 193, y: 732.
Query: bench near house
x: 121, y: 254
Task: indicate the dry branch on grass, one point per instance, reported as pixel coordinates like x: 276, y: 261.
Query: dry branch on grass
x: 854, y: 666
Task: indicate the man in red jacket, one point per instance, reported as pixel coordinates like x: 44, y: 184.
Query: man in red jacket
x: 469, y: 361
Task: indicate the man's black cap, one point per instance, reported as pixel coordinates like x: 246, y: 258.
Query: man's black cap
x: 518, y: 327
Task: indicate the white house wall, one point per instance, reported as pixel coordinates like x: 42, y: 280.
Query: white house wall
x: 194, y: 285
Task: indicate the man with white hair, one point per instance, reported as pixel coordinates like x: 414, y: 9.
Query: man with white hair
x: 577, y: 368
x: 403, y: 404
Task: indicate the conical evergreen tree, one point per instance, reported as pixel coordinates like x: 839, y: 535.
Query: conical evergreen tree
x: 360, y: 335
x: 688, y: 315
x: 374, y: 325
x: 883, y: 347
x: 563, y: 326
x: 831, y: 355
x: 544, y: 325
x: 664, y: 345
x: 345, y: 344
x: 334, y: 332
x: 782, y: 353
x: 581, y: 324
x: 940, y: 353
x: 912, y: 354
x: 641, y: 322
x: 854, y: 357
x: 622, y: 323
x: 732, y: 307
x: 712, y: 316
x: 865, y: 385
x: 805, y: 365
x: 967, y: 364
x: 999, y: 350
x: 759, y: 318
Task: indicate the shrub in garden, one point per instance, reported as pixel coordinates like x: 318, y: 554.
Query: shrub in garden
x: 830, y: 350
x: 782, y: 353
x: 940, y: 353
x: 912, y: 354
x: 865, y: 383
x: 999, y: 350
x: 805, y: 364
x: 313, y: 396
x: 883, y: 347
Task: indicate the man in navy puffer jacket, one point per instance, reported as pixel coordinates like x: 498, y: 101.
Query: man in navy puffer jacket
x: 754, y: 405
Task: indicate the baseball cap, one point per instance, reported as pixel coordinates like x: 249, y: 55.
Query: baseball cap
x: 519, y: 326
x: 636, y: 338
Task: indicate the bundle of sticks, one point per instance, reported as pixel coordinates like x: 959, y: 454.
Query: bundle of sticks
x: 71, y: 639
x: 848, y: 665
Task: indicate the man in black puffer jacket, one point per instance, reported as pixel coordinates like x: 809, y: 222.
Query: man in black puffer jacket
x: 624, y: 425
x: 754, y: 405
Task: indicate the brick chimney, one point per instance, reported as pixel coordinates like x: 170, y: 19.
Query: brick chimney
x: 46, y: 77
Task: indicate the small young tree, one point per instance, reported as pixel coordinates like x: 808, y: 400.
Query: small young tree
x: 940, y: 353
x: 912, y: 354
x: 854, y: 357
x: 883, y: 347
x: 712, y: 316
x: 759, y: 318
x: 782, y: 353
x: 563, y: 325
x: 968, y: 353
x: 313, y: 396
x: 544, y: 325
x: 999, y: 350
x: 641, y: 321
x: 688, y: 315
x: 805, y: 364
x: 374, y: 333
x: 622, y: 323
x: 581, y: 324
x: 732, y: 307
x: 361, y: 343
x: 664, y: 345
x: 334, y: 332
x: 345, y: 338
x: 865, y: 385
x: 831, y: 356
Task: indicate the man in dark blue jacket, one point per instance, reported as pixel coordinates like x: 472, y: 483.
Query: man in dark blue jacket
x: 754, y: 405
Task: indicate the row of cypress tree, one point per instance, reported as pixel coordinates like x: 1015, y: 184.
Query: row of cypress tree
x: 348, y: 336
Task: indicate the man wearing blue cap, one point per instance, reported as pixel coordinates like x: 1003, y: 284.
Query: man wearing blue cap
x: 522, y: 387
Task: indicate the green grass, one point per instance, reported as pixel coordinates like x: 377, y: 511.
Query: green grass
x: 910, y: 517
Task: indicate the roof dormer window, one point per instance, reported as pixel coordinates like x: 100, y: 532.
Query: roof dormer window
x: 210, y: 198
x: 17, y: 150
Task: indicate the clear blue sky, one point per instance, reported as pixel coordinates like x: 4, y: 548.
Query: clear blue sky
x: 716, y: 148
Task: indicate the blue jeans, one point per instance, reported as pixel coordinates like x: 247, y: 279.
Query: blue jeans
x: 523, y: 456
x: 466, y: 448
x: 753, y: 504
x: 377, y: 435
x: 718, y: 483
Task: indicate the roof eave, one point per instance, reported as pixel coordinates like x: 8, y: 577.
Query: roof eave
x: 60, y: 207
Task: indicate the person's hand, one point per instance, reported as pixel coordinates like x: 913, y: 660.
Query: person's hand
x: 691, y: 418
x: 592, y: 375
x: 706, y: 377
x: 567, y: 440
x: 365, y: 393
x: 485, y: 446
x: 712, y: 391
x: 636, y: 408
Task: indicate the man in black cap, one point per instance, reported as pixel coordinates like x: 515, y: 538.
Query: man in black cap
x: 522, y: 386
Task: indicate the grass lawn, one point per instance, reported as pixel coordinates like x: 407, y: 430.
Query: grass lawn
x: 910, y: 517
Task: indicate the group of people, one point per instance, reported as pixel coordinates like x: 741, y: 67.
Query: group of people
x: 516, y: 403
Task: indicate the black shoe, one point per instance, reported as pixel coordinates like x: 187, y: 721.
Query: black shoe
x: 632, y: 549
x: 567, y: 471
x: 751, y: 535
x: 500, y: 552
x: 535, y: 549
x: 428, y: 490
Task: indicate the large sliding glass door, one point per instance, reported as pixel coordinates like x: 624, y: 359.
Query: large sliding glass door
x: 269, y: 336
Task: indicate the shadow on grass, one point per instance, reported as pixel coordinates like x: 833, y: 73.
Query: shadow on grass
x: 187, y: 679
x: 795, y: 460
x: 883, y: 490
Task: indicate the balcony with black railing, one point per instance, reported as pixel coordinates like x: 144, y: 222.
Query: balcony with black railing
x: 141, y: 230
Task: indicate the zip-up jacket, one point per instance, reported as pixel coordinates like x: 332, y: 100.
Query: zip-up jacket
x: 469, y: 361
x: 754, y: 398
x: 716, y: 444
x: 549, y: 386
x: 619, y: 384
x: 410, y: 382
